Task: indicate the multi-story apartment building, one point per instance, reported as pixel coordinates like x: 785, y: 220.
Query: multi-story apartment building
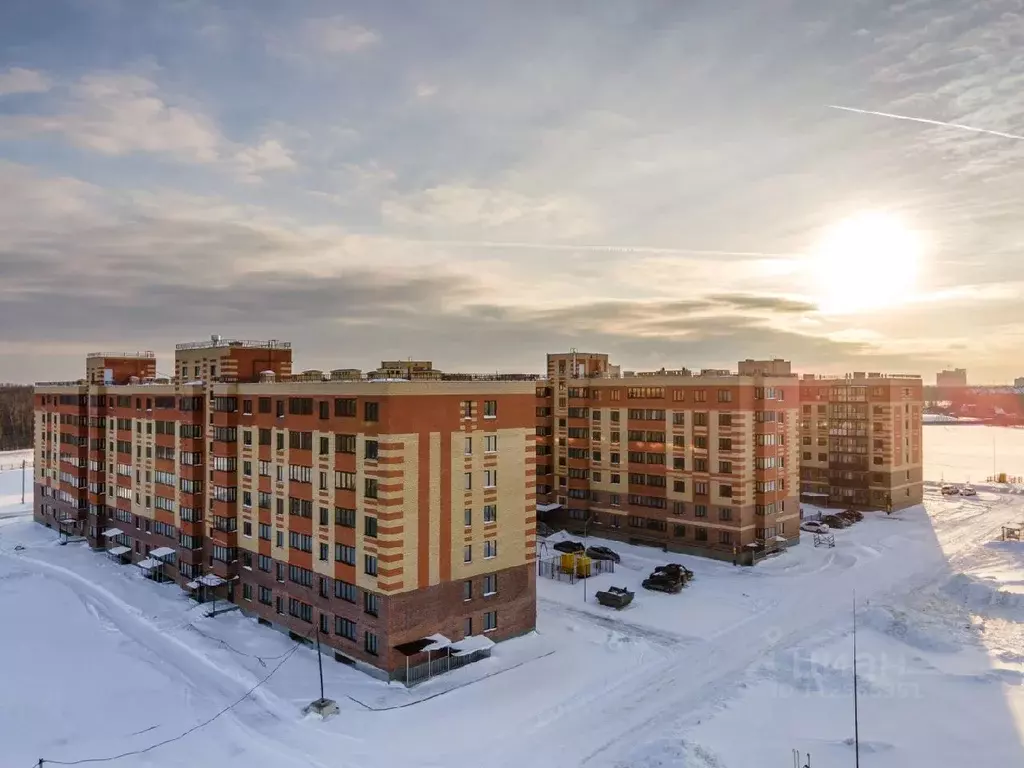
x: 393, y: 516
x: 704, y: 463
x: 860, y: 440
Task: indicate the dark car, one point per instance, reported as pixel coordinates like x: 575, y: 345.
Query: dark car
x: 663, y: 582
x: 603, y: 553
x: 675, y: 571
x: 835, y: 521
x: 570, y: 547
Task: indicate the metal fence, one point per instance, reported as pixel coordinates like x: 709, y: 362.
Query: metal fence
x: 553, y: 568
x: 438, y: 666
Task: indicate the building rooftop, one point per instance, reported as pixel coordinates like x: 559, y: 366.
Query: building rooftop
x: 219, y: 341
x: 146, y: 355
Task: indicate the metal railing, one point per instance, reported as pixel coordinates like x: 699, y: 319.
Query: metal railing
x: 243, y: 343
x: 144, y: 355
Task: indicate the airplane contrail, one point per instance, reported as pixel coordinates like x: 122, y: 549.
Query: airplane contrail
x: 600, y: 248
x: 926, y: 121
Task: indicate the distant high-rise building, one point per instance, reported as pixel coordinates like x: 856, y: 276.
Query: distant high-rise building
x: 954, y: 378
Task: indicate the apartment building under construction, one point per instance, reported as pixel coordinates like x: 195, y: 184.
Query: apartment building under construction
x: 397, y: 517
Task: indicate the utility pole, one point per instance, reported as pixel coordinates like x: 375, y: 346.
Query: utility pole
x: 24, y: 464
x: 856, y: 718
x: 320, y: 662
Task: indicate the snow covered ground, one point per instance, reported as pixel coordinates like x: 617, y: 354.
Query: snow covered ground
x: 13, y: 459
x: 972, y: 452
x: 738, y: 670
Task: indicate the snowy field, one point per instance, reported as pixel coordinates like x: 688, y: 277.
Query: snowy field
x: 973, y: 453
x: 738, y: 670
x: 13, y: 459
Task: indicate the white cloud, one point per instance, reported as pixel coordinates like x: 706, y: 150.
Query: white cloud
x: 337, y: 35
x: 120, y: 114
x: 453, y: 208
x: 18, y: 80
x: 269, y: 155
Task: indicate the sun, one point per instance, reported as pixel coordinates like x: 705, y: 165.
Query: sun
x: 864, y: 263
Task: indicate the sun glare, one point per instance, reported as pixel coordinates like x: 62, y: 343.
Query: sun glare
x: 866, y: 262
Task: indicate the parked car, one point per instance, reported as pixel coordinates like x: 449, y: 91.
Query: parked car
x: 615, y: 597
x: 570, y: 547
x: 852, y: 515
x: 675, y: 570
x: 950, y: 490
x: 814, y: 526
x: 835, y: 521
x: 968, y: 490
x: 603, y: 553
x: 544, y: 530
x: 663, y: 582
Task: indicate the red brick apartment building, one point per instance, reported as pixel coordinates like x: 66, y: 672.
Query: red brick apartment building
x: 715, y: 463
x: 396, y: 516
x: 860, y: 440
x: 705, y: 463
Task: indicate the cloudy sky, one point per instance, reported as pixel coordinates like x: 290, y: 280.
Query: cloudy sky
x: 482, y: 182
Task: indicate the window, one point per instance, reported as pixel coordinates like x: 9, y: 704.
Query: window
x: 490, y: 621
x: 467, y: 553
x: 725, y: 513
x: 490, y: 409
x: 370, y: 527
x: 345, y: 591
x: 490, y: 513
x: 300, y: 576
x: 725, y: 537
x: 345, y: 481
x: 264, y: 563
x: 325, y: 516
x: 325, y: 446
x: 490, y: 443
x: 344, y: 443
x: 370, y: 487
x: 467, y: 517
x: 700, y: 488
x: 247, y: 591
x: 700, y: 510
x: 490, y: 549
x: 344, y: 628
x: 345, y: 517
x: 679, y: 486
x: 725, y: 467
x: 345, y: 406
x: 325, y: 551
x: 370, y: 564
x: 490, y: 478
x: 345, y: 554
x: 467, y: 626
x: 467, y: 481
x: 370, y: 639
x: 490, y: 584
x: 371, y: 450
x: 371, y: 411
x: 467, y: 590
x: 247, y: 528
x: 300, y: 610
x: 371, y: 603
x: 265, y: 595
x: 324, y: 626
x: 325, y: 410
x: 724, y: 490
x: 700, y: 534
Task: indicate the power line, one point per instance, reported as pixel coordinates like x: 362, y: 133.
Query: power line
x: 43, y: 761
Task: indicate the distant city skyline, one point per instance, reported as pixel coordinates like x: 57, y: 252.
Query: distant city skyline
x: 482, y: 183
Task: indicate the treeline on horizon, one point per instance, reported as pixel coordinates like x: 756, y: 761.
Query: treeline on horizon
x: 16, y: 417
